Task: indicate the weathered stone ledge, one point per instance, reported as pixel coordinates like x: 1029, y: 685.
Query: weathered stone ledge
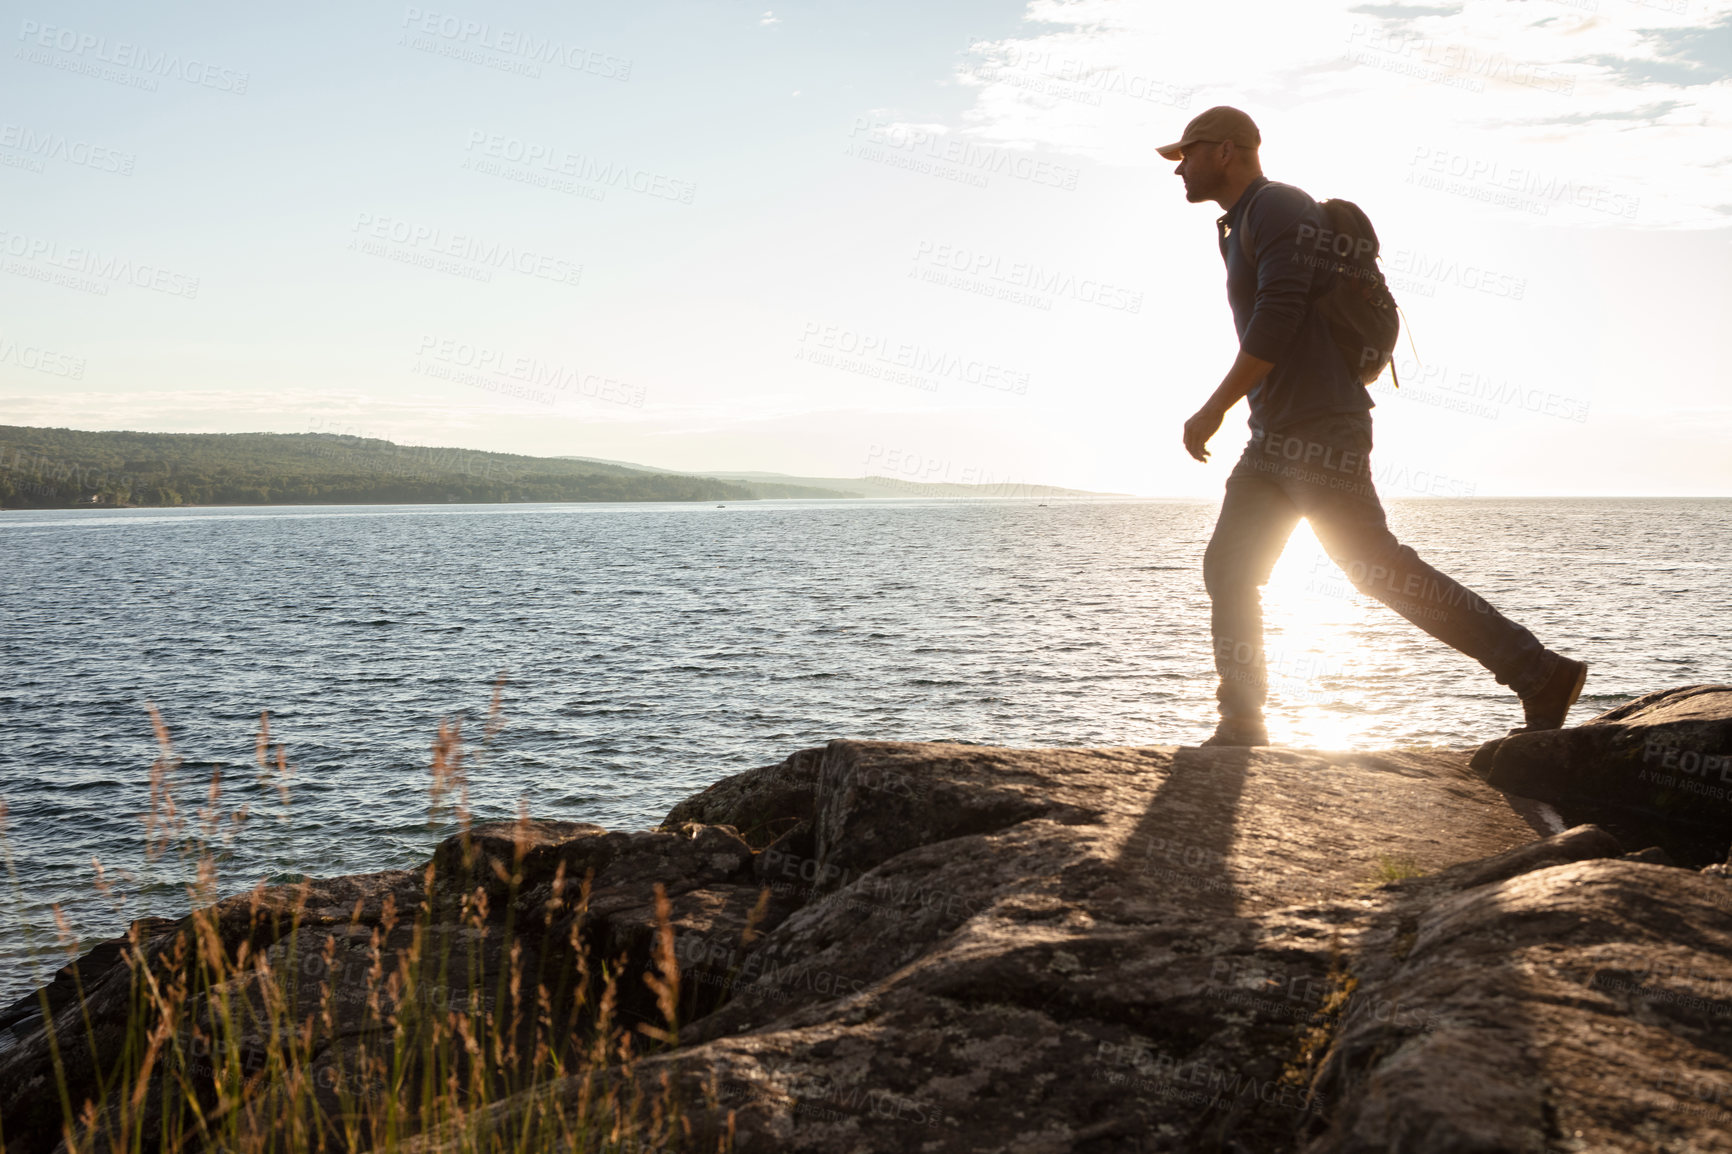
x: 887, y: 946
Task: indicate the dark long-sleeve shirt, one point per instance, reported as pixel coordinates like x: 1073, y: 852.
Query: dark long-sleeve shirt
x: 1271, y: 301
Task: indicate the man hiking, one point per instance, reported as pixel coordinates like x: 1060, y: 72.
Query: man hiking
x: 1309, y: 451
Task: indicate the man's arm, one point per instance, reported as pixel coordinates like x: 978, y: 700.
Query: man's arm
x: 1247, y: 370
x: 1272, y: 220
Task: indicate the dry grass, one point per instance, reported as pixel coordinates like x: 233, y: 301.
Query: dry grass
x: 260, y: 1024
x: 1394, y: 869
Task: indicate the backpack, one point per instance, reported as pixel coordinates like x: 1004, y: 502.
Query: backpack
x: 1354, y: 298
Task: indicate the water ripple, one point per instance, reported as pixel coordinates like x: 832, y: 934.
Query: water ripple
x: 654, y: 648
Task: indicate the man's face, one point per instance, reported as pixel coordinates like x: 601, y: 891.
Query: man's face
x: 1203, y: 167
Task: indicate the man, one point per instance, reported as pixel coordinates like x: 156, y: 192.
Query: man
x: 1309, y: 451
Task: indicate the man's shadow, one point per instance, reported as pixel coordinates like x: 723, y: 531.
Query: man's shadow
x: 1180, y: 845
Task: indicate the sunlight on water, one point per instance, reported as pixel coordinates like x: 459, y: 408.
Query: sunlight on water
x: 1322, y: 691
x: 653, y: 649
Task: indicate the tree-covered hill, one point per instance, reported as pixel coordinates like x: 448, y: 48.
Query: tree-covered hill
x: 64, y: 468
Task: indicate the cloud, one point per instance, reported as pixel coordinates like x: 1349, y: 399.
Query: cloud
x: 1650, y: 114
x: 1403, y: 11
x: 1684, y: 57
x: 1617, y: 97
x: 769, y: 18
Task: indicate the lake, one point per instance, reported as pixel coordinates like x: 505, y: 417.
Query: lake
x: 648, y: 650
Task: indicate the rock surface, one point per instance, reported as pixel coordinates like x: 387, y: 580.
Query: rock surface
x: 888, y: 946
x: 1657, y: 771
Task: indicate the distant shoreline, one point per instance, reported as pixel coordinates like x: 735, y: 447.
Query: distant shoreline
x: 43, y: 468
x: 1080, y: 499
x: 1092, y: 498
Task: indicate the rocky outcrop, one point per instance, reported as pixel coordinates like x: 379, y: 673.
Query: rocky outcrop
x: 884, y: 946
x: 1657, y: 771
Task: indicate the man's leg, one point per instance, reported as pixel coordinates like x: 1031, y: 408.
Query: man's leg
x: 1327, y: 474
x: 1256, y: 519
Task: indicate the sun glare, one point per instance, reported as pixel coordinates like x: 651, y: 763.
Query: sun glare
x: 1320, y: 669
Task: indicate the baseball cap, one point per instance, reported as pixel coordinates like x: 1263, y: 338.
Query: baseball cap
x: 1218, y: 123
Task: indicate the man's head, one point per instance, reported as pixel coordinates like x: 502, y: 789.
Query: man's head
x: 1217, y: 155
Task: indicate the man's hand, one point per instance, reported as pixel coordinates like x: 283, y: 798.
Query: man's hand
x: 1203, y: 425
x: 1247, y: 370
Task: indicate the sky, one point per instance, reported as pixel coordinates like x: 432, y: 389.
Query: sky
x: 899, y: 239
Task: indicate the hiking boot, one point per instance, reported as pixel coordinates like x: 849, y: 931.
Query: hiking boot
x: 1548, y: 705
x: 1240, y: 731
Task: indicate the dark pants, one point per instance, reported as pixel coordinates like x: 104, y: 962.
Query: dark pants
x: 1321, y: 470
